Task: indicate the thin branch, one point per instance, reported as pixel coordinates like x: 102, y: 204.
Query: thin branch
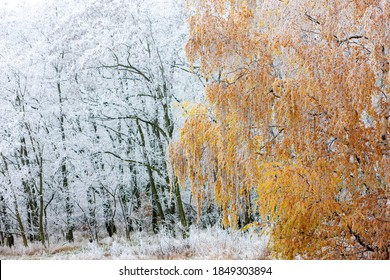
x: 133, y: 117
x: 136, y: 162
x: 359, y: 240
x: 312, y: 19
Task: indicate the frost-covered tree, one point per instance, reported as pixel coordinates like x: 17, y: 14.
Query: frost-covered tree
x: 88, y: 93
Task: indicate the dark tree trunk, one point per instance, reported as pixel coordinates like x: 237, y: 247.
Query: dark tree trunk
x: 91, y: 197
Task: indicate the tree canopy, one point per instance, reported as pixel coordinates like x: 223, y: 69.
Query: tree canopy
x: 296, y: 118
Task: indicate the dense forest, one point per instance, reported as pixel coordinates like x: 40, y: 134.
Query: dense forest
x: 121, y: 116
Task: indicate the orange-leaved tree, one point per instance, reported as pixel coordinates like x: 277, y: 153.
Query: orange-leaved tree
x: 298, y: 111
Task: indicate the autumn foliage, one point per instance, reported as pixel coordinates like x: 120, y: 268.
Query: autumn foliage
x: 297, y: 118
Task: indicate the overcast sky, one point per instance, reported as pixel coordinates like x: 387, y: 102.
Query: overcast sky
x: 14, y: 4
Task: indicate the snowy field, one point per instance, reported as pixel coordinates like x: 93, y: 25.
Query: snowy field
x: 210, y: 243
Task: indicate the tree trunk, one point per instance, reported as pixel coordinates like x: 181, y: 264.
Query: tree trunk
x: 64, y: 171
x: 157, y: 208
x: 41, y: 204
x: 92, y: 214
x: 17, y: 213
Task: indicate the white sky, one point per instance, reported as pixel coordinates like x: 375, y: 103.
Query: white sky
x: 14, y: 4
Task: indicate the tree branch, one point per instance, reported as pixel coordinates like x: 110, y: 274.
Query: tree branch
x: 136, y: 162
x: 133, y: 117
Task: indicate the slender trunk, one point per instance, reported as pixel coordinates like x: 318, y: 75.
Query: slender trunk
x: 155, y: 198
x: 180, y: 207
x: 20, y: 223
x: 64, y: 171
x: 4, y: 221
x: 68, y: 204
x: 41, y: 204
x: 17, y: 213
x: 30, y: 190
x: 176, y: 187
x: 169, y: 126
x: 123, y: 201
x: 108, y: 213
x: 92, y: 214
x: 124, y: 197
x: 136, y: 205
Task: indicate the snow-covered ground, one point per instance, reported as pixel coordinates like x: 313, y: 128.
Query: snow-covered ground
x: 210, y: 243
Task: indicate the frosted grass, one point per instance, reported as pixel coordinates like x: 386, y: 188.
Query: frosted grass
x: 210, y: 243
